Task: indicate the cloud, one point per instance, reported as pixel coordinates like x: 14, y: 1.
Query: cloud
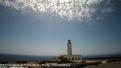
x: 108, y: 10
x: 81, y: 10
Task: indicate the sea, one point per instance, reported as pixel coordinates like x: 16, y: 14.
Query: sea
x: 31, y: 58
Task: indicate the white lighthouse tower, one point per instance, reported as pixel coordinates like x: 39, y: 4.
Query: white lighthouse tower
x: 69, y: 48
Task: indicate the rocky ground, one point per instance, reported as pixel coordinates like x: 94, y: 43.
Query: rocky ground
x: 106, y: 65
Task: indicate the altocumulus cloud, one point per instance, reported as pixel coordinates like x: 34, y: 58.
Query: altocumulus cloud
x: 80, y: 10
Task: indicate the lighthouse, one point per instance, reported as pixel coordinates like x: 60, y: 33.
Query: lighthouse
x: 69, y: 56
x: 69, y: 48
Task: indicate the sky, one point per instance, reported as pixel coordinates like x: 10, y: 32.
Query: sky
x: 43, y: 27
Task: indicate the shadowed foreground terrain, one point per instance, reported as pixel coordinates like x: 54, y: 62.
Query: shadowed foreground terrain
x: 106, y: 65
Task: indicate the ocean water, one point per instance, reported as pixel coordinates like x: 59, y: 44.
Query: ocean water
x: 9, y: 57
